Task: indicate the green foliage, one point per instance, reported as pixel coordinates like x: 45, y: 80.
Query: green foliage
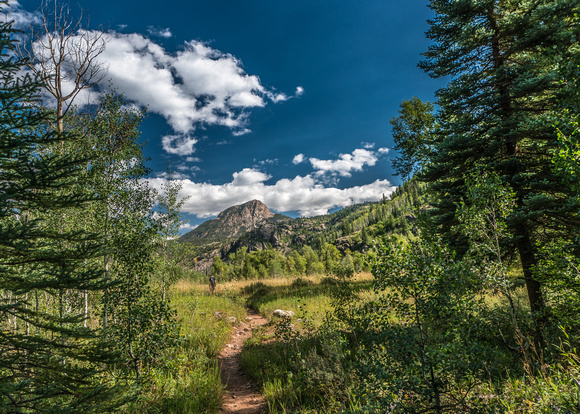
x: 483, y: 217
x: 567, y: 159
x: 301, y: 296
x: 554, y: 389
x: 302, y: 372
x: 426, y: 343
x: 188, y: 379
x: 559, y: 270
x: 135, y: 314
x: 305, y: 365
x: 500, y: 59
x: 50, y: 361
x: 411, y: 131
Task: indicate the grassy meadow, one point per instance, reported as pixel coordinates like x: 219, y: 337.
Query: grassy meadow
x: 190, y: 380
x: 314, y: 362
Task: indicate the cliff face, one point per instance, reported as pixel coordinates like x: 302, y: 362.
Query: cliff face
x: 231, y: 223
x: 239, y: 219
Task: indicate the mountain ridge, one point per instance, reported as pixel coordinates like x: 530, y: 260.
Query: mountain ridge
x: 233, y: 222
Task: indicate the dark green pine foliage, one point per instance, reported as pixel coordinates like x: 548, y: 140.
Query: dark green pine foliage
x: 48, y: 361
x: 503, y: 82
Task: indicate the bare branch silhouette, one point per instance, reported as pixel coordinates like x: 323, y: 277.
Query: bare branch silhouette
x: 64, y: 52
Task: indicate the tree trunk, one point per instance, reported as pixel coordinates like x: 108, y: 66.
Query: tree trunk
x: 533, y: 286
x: 510, y: 149
x: 86, y: 308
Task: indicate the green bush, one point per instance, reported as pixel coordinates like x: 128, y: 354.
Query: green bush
x: 301, y: 283
x: 257, y: 289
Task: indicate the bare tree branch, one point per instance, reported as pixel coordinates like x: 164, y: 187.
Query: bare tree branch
x: 65, y: 54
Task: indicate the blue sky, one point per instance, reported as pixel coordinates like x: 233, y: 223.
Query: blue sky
x: 286, y: 102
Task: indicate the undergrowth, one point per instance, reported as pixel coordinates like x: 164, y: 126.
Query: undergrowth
x: 189, y: 382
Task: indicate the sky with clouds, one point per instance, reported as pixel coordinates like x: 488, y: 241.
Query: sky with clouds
x: 285, y: 102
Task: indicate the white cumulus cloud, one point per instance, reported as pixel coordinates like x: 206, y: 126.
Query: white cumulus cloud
x: 197, y: 86
x: 249, y: 177
x: 347, y: 163
x: 179, y: 144
x: 298, y: 159
x: 192, y: 88
x: 188, y: 227
x: 303, y: 194
x: 156, y: 31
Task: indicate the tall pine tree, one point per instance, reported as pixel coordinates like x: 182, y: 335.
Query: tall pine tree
x: 49, y: 361
x: 503, y: 81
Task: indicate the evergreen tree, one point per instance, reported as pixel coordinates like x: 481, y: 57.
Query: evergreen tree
x: 49, y: 361
x: 503, y: 83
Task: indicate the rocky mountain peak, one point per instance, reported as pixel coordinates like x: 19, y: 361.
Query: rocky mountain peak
x: 232, y: 222
x: 250, y: 214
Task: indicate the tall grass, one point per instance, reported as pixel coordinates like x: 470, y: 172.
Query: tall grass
x: 309, y: 364
x: 301, y: 364
x: 189, y: 382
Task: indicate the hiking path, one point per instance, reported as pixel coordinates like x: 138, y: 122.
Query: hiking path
x: 241, y: 393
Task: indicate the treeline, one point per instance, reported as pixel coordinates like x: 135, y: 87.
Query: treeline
x: 394, y: 215
x: 270, y: 263
x: 83, y: 316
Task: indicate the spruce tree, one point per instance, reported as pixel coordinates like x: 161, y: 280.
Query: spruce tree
x: 49, y: 362
x: 503, y: 82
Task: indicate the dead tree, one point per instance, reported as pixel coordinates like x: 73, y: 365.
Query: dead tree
x: 63, y: 52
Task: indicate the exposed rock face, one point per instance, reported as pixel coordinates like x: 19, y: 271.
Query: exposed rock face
x: 244, y: 217
x: 232, y: 222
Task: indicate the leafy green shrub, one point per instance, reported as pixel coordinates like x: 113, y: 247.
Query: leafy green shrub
x: 422, y: 341
x: 300, y: 283
x: 257, y: 289
x: 328, y: 281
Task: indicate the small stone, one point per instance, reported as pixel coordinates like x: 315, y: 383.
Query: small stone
x: 283, y: 314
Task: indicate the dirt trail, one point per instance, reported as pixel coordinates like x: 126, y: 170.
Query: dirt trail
x: 242, y: 395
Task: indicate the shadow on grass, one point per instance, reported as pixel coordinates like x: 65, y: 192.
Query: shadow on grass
x: 259, y: 293
x: 310, y: 372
